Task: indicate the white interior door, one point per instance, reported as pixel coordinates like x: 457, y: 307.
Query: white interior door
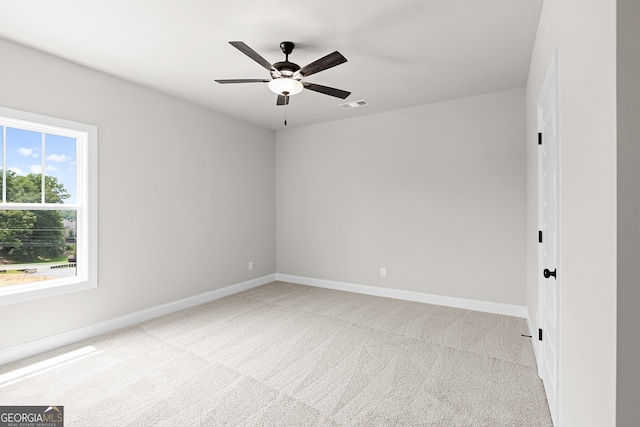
x: 548, y: 219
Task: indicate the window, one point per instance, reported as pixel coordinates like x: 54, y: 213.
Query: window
x: 48, y: 206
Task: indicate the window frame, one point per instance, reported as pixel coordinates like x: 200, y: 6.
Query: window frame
x: 86, y: 205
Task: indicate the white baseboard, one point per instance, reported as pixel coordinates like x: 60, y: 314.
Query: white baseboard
x: 45, y: 344
x: 535, y: 343
x: 49, y: 343
x: 468, y: 304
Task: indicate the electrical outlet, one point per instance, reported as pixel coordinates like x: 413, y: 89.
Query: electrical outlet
x: 383, y: 272
x: 250, y: 265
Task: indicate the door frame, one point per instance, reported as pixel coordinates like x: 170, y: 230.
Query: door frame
x: 551, y: 82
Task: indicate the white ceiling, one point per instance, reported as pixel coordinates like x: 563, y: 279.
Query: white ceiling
x: 400, y: 53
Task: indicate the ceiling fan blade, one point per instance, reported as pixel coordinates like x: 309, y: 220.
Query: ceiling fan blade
x: 251, y: 54
x: 243, y: 81
x: 283, y: 100
x: 323, y: 63
x: 326, y: 90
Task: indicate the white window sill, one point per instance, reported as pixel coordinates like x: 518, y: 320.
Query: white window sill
x: 31, y: 291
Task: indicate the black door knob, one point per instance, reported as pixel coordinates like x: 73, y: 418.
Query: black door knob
x: 548, y: 273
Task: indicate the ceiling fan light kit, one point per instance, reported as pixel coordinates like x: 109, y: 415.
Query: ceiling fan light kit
x: 285, y: 86
x: 286, y: 77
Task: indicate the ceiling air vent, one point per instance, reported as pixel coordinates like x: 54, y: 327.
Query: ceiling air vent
x: 354, y: 104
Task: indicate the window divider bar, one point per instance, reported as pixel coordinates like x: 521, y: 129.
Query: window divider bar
x: 44, y: 154
x: 4, y: 164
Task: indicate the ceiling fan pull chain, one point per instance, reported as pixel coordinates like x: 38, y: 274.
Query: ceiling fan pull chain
x: 286, y: 101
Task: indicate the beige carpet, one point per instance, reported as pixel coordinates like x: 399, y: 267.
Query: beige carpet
x: 293, y: 355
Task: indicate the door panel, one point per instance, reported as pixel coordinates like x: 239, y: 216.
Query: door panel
x: 548, y: 252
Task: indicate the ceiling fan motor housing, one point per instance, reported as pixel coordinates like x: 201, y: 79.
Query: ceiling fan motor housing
x: 285, y: 69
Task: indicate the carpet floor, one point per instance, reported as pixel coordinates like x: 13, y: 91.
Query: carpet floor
x: 293, y: 355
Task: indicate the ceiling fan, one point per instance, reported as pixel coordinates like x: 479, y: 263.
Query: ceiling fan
x: 286, y: 77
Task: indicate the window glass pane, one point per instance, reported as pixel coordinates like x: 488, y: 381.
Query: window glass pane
x: 24, y: 166
x: 60, y: 169
x: 36, y: 245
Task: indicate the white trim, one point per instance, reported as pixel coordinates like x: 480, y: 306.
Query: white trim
x: 43, y: 289
x: 86, y: 205
x: 32, y: 348
x: 534, y: 340
x: 468, y: 304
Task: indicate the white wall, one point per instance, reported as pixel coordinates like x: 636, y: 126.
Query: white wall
x: 585, y: 33
x: 186, y: 196
x: 628, y: 109
x: 435, y: 194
